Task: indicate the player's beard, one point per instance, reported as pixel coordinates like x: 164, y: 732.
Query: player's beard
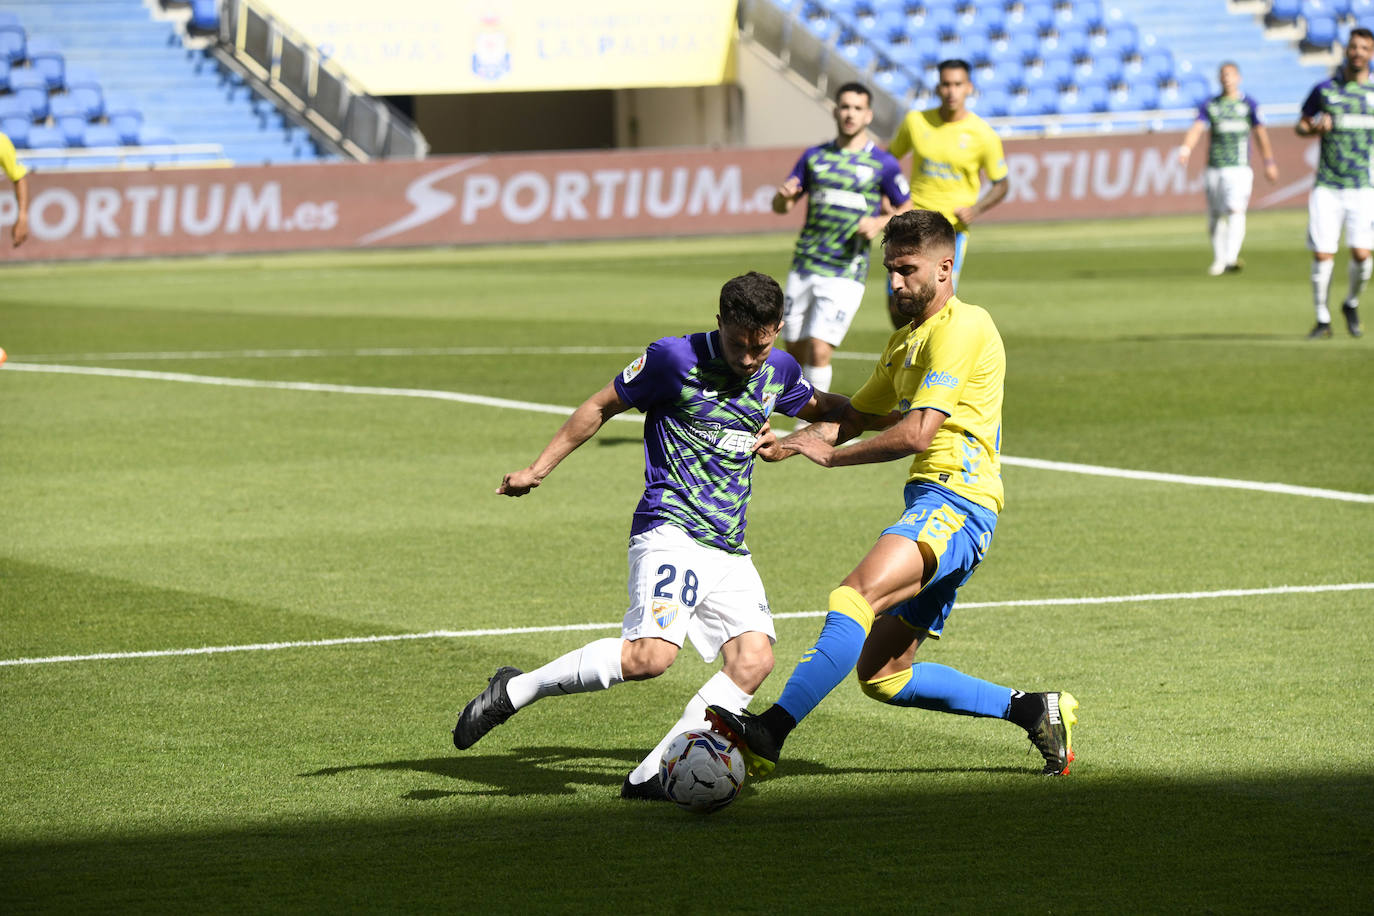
x: 913, y: 303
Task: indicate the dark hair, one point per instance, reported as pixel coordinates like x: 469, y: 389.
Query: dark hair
x: 752, y: 301
x: 1228, y: 63
x: 1362, y: 32
x: 854, y: 87
x: 918, y: 231
x: 954, y: 63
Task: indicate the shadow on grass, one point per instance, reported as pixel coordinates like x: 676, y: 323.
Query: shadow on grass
x: 1090, y: 843
x: 547, y: 771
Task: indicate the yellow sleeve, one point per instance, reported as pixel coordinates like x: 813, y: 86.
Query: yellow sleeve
x: 951, y: 355
x: 901, y: 144
x: 878, y: 395
x: 994, y: 162
x: 8, y: 162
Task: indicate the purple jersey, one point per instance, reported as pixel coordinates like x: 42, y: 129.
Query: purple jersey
x: 700, y: 424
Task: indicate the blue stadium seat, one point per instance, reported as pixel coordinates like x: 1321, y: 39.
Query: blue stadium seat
x: 81, y: 103
x: 12, y: 43
x: 1037, y: 15
x: 204, y: 16
x: 16, y: 128
x: 975, y: 48
x: 943, y: 22
x: 101, y: 135
x: 991, y: 19
x: 1139, y: 97
x: 895, y: 81
x: 1107, y: 67
x: 36, y: 101
x: 1042, y: 101
x: 1095, y: 93
x: 42, y: 137
x: 9, y: 19
x: 1157, y: 64
x: 1196, y: 88
x: 858, y: 54
x: 1321, y: 33
x: 1088, y: 14
x: 1283, y: 12
x: 4, y: 76
x: 993, y: 103
x: 73, y: 129
x: 27, y: 78
x: 1076, y: 41
x: 1121, y: 38
x: 1075, y: 103
x: 1025, y: 47
x: 1359, y: 9
x: 1059, y: 70
x: 45, y: 56
x: 1336, y: 9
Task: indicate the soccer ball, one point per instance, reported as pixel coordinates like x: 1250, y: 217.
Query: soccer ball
x: 702, y: 771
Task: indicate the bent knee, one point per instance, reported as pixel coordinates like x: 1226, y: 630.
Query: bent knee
x: 883, y: 689
x: 647, y: 658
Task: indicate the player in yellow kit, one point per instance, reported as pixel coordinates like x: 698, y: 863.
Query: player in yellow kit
x: 949, y: 147
x: 936, y: 394
x: 19, y: 175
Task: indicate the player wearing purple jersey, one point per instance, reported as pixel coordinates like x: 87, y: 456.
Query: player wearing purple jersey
x: 706, y: 400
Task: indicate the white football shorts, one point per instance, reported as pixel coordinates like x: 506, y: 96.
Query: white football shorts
x: 819, y: 307
x: 680, y: 589
x: 1329, y: 210
x: 1228, y: 189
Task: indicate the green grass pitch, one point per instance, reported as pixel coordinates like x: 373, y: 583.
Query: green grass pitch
x: 1226, y: 762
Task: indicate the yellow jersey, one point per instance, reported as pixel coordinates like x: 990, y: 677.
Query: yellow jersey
x: 946, y: 157
x: 8, y: 162
x: 954, y: 363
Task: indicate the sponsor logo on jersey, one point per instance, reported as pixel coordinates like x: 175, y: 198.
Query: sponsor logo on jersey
x: 936, y: 377
x: 665, y: 612
x: 634, y: 368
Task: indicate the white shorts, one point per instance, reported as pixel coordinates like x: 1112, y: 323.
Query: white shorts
x: 1228, y: 189
x: 681, y: 589
x: 819, y: 307
x: 1329, y: 210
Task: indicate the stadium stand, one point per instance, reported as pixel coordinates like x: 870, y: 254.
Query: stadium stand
x: 1038, y: 61
x: 115, y: 73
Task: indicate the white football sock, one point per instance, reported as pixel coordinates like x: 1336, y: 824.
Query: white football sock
x: 718, y: 691
x: 1321, y: 285
x: 819, y: 376
x: 1359, y: 278
x: 595, y: 666
x: 1235, y: 237
x: 1218, y: 233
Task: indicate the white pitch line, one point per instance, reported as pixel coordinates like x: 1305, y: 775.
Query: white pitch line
x: 1036, y: 463
x: 518, y: 631
x: 363, y: 351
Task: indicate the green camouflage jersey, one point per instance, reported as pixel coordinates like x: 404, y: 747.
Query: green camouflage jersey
x: 1345, y: 151
x: 1231, y: 120
x: 842, y: 187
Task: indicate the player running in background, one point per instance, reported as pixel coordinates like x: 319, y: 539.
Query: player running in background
x: 19, y: 175
x: 949, y: 146
x: 1341, y: 112
x: 936, y: 394
x: 706, y: 399
x: 846, y: 181
x: 1231, y: 117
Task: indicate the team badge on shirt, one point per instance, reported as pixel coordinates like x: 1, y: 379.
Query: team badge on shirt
x: 634, y: 368
x: 665, y: 612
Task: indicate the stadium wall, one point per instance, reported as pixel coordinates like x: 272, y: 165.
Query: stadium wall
x: 470, y: 200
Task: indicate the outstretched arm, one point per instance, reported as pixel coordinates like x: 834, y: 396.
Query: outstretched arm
x: 910, y: 435
x: 833, y: 421
x: 589, y: 417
